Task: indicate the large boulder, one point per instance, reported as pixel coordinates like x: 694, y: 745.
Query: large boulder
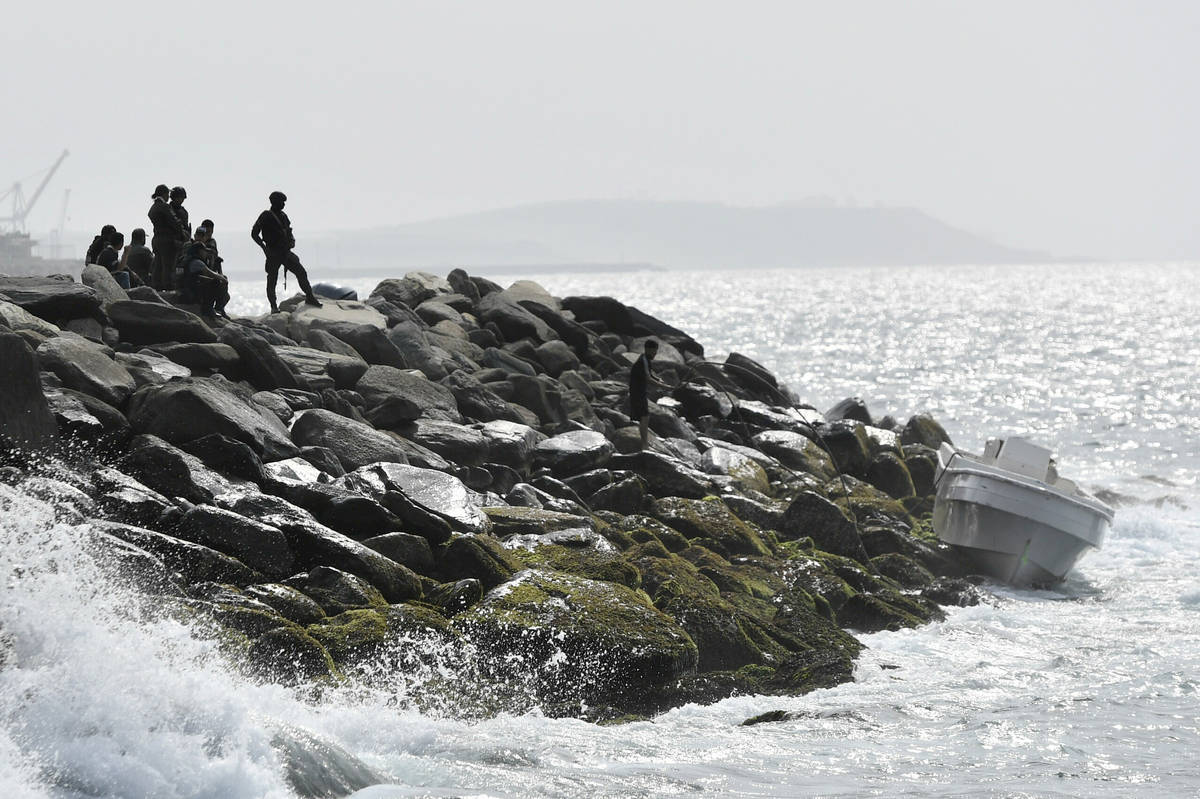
x: 25, y: 417
x: 394, y: 412
x: 368, y: 340
x: 848, y: 446
x: 513, y: 321
x: 406, y: 549
x: 573, y: 452
x: 187, y: 409
x: 53, y: 298
x: 664, y: 476
x: 313, y: 544
x: 326, y: 342
x: 829, y: 527
x: 745, y: 472
x: 889, y: 474
x: 151, y: 323
x: 87, y: 367
x: 796, y: 451
x: 476, y: 401
x: 84, y: 417
x: 439, y: 493
x: 924, y: 429
x: 259, y: 546
x: 100, y: 280
x: 412, y: 289
x: 511, y: 443
x: 413, y: 342
x: 475, y: 557
x: 196, y: 562
x: 150, y: 368
x: 193, y: 355
x: 16, y: 318
x: 228, y: 456
x: 261, y: 364
x: 556, y: 357
x: 174, y: 473
x: 355, y: 444
x: 581, y: 640
x: 309, y: 363
x: 710, y: 523
x: 542, y: 395
x: 380, y: 382
x: 336, y: 591
x: 698, y: 399
x: 465, y: 446
x: 432, y: 312
x: 613, y: 314
x: 852, y: 408
x: 306, y: 318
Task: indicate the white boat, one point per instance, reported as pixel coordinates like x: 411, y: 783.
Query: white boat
x: 1012, y: 515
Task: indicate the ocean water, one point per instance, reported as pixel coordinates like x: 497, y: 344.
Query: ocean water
x: 1087, y: 690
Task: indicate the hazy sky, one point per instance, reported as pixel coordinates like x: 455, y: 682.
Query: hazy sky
x: 1065, y: 126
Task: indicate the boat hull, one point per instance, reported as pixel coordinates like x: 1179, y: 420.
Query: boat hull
x: 1015, y: 529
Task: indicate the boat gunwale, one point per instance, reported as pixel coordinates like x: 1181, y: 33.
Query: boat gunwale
x: 979, y: 469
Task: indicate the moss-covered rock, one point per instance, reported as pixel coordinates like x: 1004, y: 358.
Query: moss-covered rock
x: 642, y: 529
x: 516, y: 520
x: 848, y: 445
x: 827, y: 524
x: 922, y: 466
x: 886, y: 610
x: 819, y: 667
x: 287, y: 602
x: 455, y: 597
x: 904, y: 570
x: 352, y: 636
x: 796, y: 451
x: 818, y: 581
x: 721, y: 640
x: 336, y: 591
x: 866, y: 504
x: 924, y: 429
x: 710, y: 522
x: 594, y: 563
x: 582, y: 640
x: 478, y: 557
x: 289, y: 655
x: 888, y: 473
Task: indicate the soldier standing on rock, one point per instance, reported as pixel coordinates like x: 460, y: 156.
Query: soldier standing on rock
x: 273, y: 232
x: 640, y: 377
x: 170, y: 232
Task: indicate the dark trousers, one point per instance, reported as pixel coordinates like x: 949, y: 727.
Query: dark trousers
x: 166, y: 248
x: 290, y: 262
x: 211, y: 295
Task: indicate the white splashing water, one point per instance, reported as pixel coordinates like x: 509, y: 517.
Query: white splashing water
x: 1090, y: 690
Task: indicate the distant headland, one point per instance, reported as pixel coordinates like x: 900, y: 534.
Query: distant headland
x: 675, y: 235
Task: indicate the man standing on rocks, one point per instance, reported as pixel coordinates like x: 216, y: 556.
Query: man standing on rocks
x: 273, y: 232
x: 170, y: 233
x: 640, y: 377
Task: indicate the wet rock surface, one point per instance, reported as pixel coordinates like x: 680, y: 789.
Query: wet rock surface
x: 454, y: 459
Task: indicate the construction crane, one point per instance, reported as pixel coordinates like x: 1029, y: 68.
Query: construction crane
x: 20, y: 206
x: 56, y: 248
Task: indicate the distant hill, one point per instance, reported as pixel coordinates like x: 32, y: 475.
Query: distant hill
x: 673, y: 234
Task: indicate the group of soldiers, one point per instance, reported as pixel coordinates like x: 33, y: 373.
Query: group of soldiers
x: 189, y: 262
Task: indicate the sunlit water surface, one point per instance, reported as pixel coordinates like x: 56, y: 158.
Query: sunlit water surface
x: 1088, y: 690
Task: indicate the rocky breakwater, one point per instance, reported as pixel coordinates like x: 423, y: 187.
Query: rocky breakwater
x: 446, y: 472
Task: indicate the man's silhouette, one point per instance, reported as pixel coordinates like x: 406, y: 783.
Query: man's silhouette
x: 639, y: 379
x: 273, y: 232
